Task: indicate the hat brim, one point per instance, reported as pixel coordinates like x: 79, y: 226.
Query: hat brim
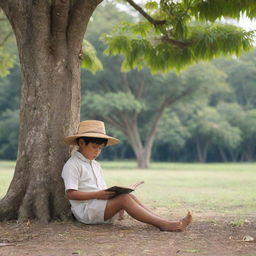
x: 71, y: 140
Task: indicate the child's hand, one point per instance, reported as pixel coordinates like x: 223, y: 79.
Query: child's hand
x: 104, y: 194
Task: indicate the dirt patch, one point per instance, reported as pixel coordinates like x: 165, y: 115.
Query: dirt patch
x: 207, y: 236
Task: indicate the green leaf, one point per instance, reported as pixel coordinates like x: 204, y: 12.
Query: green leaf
x: 89, y: 59
x: 179, y: 41
x: 7, y: 61
x: 151, y: 5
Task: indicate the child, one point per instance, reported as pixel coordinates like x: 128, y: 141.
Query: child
x: 86, y: 188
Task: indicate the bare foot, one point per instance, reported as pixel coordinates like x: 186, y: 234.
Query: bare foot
x: 177, y: 226
x: 186, y: 221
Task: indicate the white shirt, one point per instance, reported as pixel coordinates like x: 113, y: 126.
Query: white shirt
x: 82, y: 174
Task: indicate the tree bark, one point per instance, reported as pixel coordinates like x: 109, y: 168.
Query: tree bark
x: 50, y: 103
x: 143, y: 157
x: 234, y: 155
x: 202, y: 149
x: 142, y: 153
x: 223, y: 154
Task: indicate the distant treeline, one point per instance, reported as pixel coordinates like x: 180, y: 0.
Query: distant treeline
x: 208, y: 112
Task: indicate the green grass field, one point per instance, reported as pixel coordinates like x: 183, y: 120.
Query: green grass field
x: 227, y: 189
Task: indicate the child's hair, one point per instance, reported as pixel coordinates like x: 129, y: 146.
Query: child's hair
x: 98, y: 141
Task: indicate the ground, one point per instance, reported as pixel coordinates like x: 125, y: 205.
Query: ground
x: 207, y: 236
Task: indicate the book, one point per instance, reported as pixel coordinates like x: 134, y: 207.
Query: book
x: 123, y: 190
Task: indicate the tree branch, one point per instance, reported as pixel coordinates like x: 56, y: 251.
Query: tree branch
x: 37, y: 20
x: 138, y: 91
x: 115, y: 123
x: 167, y: 102
x: 59, y: 22
x: 80, y: 14
x: 165, y: 38
x: 171, y: 99
x: 156, y: 121
x: 107, y: 87
x: 125, y: 83
x: 145, y: 15
x: 176, y: 42
x: 2, y: 3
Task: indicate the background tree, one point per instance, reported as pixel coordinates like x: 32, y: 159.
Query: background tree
x: 49, y: 36
x: 136, y: 105
x: 171, y: 137
x: 244, y: 120
x: 241, y: 75
x: 208, y: 129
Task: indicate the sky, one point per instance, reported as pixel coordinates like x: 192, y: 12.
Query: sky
x: 247, y: 24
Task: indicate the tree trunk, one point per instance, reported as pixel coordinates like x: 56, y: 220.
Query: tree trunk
x: 49, y: 108
x: 223, y: 154
x: 201, y: 150
x: 234, y: 155
x: 248, y: 154
x: 142, y: 153
x: 143, y: 156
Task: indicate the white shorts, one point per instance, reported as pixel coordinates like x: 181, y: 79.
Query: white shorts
x: 90, y: 212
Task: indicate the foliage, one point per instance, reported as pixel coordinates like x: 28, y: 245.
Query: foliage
x: 112, y: 103
x: 6, y: 62
x: 172, y: 132
x: 7, y: 47
x: 89, y: 58
x: 9, y: 114
x: 159, y: 56
x: 169, y: 38
x: 211, y: 127
x: 215, y: 9
x: 9, y: 124
x: 10, y: 91
x: 245, y: 121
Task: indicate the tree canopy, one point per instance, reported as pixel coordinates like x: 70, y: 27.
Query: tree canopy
x: 215, y: 9
x: 170, y: 36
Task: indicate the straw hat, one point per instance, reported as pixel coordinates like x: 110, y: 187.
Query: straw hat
x: 91, y: 128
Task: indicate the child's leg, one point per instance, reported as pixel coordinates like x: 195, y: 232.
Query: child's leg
x: 121, y: 213
x: 135, y: 210
x: 142, y: 205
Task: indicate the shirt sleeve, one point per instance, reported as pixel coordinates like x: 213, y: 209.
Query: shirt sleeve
x: 70, y: 175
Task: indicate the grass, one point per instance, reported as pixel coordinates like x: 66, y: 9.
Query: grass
x: 6, y: 174
x: 227, y: 189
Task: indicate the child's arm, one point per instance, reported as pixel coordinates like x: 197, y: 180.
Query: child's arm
x: 79, y: 195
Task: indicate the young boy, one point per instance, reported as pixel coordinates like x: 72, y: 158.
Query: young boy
x: 90, y: 202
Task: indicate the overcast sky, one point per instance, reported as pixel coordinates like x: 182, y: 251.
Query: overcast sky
x: 248, y: 24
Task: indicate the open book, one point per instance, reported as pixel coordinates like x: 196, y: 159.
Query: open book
x: 124, y: 190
